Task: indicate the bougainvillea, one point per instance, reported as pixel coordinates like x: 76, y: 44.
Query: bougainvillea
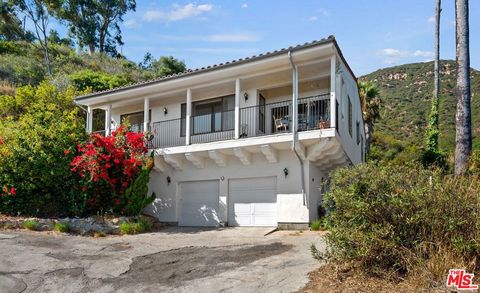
x: 107, y: 166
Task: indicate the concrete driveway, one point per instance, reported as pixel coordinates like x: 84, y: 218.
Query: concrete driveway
x: 175, y: 259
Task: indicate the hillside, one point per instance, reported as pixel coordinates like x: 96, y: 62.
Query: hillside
x: 407, y: 90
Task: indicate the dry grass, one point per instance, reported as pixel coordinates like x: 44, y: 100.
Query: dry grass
x: 331, y: 278
x: 7, y: 88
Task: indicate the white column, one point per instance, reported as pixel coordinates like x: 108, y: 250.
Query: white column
x: 237, y: 108
x: 333, y: 67
x: 89, y: 119
x: 146, y: 116
x: 188, y: 117
x: 108, y: 120
x: 295, y: 102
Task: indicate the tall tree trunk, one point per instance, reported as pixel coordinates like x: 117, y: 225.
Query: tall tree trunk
x: 463, y: 140
x: 438, y: 10
x: 368, y: 137
x: 91, y: 48
x: 45, y: 44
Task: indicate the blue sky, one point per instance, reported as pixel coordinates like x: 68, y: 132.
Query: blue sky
x: 372, y: 34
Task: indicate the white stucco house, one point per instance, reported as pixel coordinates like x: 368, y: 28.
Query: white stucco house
x: 247, y: 142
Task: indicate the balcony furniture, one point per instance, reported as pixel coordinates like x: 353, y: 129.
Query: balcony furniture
x: 323, y: 124
x: 243, y: 130
x: 281, y: 123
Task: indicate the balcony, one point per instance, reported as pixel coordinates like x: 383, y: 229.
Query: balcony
x: 260, y: 120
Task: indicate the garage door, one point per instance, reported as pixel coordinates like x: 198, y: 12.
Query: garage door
x: 252, y: 202
x: 199, y: 203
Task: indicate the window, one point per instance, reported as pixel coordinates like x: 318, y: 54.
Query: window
x: 358, y: 132
x: 350, y: 117
x: 336, y: 116
x: 211, y: 115
x: 135, y: 120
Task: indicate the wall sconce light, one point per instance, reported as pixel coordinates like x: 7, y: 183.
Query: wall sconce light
x: 285, y: 171
x: 169, y: 180
x: 165, y: 110
x: 245, y: 95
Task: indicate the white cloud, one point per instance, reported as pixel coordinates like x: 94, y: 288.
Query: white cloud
x: 420, y: 53
x: 394, y: 56
x: 216, y: 38
x: 393, y: 53
x: 207, y: 50
x: 131, y: 23
x: 313, y: 18
x: 178, y: 12
x: 431, y: 19
x: 323, y: 12
x: 244, y: 5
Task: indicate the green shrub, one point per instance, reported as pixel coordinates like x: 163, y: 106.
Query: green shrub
x: 96, y: 80
x: 315, y: 225
x: 39, y: 130
x: 137, y: 193
x: 137, y: 226
x: 395, y: 219
x: 61, y: 227
x: 32, y: 225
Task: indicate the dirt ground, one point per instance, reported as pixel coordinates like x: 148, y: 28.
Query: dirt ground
x: 182, y: 260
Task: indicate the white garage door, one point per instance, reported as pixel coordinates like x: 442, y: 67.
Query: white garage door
x: 199, y: 203
x: 252, y: 202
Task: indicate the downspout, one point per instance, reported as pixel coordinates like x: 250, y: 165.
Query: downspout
x: 294, y: 123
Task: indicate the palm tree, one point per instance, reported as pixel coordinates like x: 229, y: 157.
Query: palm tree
x: 370, y: 102
x: 463, y: 140
x: 438, y: 10
x: 432, y: 127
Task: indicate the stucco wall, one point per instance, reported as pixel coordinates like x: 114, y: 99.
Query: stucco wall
x: 166, y: 205
x: 346, y: 87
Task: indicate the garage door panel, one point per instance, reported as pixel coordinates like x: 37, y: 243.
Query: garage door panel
x: 199, y: 203
x: 252, y: 202
x: 264, y: 208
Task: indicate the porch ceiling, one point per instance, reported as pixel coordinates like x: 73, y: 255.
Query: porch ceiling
x: 321, y: 149
x: 277, y: 77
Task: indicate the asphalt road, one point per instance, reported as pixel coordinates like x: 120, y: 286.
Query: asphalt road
x: 173, y: 260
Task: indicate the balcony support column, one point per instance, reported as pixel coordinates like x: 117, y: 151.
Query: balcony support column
x: 108, y: 120
x: 333, y: 83
x: 89, y: 119
x: 237, y: 108
x: 188, y: 115
x: 146, y: 115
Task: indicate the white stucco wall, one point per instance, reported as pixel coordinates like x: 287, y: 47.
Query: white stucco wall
x: 347, y: 87
x: 288, y: 188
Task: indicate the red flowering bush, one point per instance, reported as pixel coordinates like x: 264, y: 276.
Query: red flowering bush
x: 107, y: 167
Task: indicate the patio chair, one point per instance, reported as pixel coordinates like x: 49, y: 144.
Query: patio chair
x: 280, y: 123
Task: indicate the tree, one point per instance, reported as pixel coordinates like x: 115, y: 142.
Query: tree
x: 36, y: 11
x: 54, y: 38
x: 111, y: 14
x: 432, y: 154
x: 370, y: 102
x: 95, y: 23
x: 167, y: 65
x: 463, y: 140
x: 10, y: 26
